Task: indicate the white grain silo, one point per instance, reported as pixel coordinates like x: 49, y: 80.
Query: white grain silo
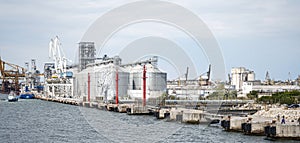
x: 102, y: 81
x: 156, y: 81
x: 106, y: 81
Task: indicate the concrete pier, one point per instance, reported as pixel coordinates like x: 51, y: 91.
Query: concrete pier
x: 291, y: 131
x: 247, y: 125
x: 210, y: 117
x: 122, y: 108
x: 102, y: 106
x: 233, y: 123
x: 265, y: 125
x: 176, y: 114
x: 191, y: 116
x: 137, y: 110
x: 163, y: 113
x: 59, y: 99
x: 112, y: 107
x: 255, y: 126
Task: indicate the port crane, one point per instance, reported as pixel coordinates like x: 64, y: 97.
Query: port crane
x: 58, y: 81
x: 57, y: 55
x: 10, y: 72
x: 204, y: 80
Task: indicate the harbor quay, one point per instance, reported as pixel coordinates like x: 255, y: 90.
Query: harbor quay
x: 274, y: 122
x: 261, y: 123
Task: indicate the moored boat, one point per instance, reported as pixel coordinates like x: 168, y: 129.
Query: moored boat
x: 12, y: 97
x: 27, y: 94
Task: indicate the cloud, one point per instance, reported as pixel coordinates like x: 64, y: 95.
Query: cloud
x: 28, y: 25
x: 249, y: 17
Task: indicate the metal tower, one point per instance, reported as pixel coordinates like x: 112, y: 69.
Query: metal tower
x: 87, y: 54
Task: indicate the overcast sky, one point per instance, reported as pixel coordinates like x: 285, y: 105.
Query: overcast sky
x: 259, y: 35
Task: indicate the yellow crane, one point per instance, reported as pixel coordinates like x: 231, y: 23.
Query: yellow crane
x: 10, y: 72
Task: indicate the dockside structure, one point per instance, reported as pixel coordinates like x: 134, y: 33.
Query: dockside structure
x: 102, y: 83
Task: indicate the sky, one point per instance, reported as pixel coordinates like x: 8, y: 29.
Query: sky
x: 259, y: 35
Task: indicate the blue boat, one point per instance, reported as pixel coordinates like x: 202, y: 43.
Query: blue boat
x: 27, y: 94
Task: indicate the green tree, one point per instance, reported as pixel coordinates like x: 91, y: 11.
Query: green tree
x: 253, y: 95
x: 217, y: 95
x: 232, y: 94
x: 288, y: 97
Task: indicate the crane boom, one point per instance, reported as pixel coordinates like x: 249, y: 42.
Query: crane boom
x: 57, y: 55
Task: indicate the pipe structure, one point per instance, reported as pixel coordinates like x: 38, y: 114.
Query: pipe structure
x: 117, y: 87
x: 144, y: 86
x: 89, y: 87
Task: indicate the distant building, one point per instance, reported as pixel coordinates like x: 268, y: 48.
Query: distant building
x: 266, y: 90
x: 298, y: 80
x: 240, y: 75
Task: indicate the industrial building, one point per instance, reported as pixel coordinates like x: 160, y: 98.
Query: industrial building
x: 243, y: 81
x: 192, y: 89
x: 266, y: 90
x: 104, y: 78
x: 240, y: 75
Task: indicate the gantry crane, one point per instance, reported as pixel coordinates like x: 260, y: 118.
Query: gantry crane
x: 205, y: 80
x: 10, y: 72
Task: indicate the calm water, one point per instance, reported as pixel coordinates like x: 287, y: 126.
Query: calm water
x: 42, y: 121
